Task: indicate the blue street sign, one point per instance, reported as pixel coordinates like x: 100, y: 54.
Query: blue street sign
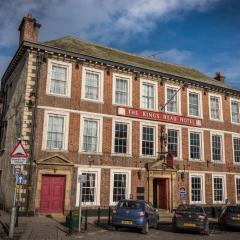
x: 20, y: 179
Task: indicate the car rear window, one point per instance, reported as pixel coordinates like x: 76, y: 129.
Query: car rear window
x: 131, y: 205
x: 234, y: 209
x: 189, y: 208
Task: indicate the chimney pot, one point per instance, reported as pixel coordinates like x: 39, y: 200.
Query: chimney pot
x: 28, y: 29
x: 219, y: 76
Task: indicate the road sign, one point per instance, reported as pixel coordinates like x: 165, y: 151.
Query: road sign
x: 20, y: 179
x: 18, y: 155
x: 82, y: 178
x: 182, y: 192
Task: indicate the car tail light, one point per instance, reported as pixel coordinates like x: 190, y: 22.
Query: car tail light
x: 201, y: 217
x: 142, y: 213
x: 177, y: 215
x: 114, y: 211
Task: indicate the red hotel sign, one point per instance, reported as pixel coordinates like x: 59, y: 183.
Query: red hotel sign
x: 159, y: 116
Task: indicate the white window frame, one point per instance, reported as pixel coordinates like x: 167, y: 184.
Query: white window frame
x: 48, y: 113
x: 155, y: 84
x: 224, y: 188
x: 121, y: 171
x: 121, y: 120
x: 155, y: 150
x: 202, y: 188
x: 234, y: 100
x: 201, y: 132
x: 52, y: 62
x: 235, y: 185
x: 221, y: 106
x: 101, y: 85
x: 223, y: 147
x: 100, y: 130
x: 179, y: 110
x: 98, y: 185
x: 199, y: 101
x: 179, y: 129
x: 233, y: 152
x: 129, y: 79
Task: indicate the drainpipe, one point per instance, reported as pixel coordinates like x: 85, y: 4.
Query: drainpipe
x: 33, y: 128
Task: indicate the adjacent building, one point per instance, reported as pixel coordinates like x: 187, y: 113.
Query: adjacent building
x: 136, y: 127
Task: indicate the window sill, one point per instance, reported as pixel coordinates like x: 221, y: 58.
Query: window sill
x: 235, y: 123
x: 92, y: 100
x: 197, y: 117
x: 122, y: 105
x: 55, y: 150
x: 120, y: 155
x: 90, y: 153
x: 149, y: 109
x: 197, y: 160
x: 217, y: 162
x: 147, y: 157
x: 58, y: 95
x: 173, y: 113
x: 216, y: 120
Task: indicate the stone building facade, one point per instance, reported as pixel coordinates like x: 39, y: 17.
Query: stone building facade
x: 136, y: 127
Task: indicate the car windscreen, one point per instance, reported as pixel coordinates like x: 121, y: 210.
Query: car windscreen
x: 131, y: 205
x: 233, y: 209
x: 189, y: 208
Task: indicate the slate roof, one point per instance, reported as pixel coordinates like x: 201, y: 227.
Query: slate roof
x: 72, y: 44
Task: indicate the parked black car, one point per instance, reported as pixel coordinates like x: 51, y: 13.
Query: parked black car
x: 190, y: 217
x: 135, y: 214
x: 229, y: 217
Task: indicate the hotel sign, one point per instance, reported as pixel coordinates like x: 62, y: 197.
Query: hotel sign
x: 158, y: 116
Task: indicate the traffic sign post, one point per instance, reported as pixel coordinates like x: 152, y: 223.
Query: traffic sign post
x: 18, y: 158
x: 81, y: 179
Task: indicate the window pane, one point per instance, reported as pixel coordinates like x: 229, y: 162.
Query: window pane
x: 89, y: 188
x: 216, y: 148
x: 196, y: 188
x: 195, y: 146
x: 58, y: 80
x: 148, y: 96
x: 55, y: 132
x: 121, y: 138
x: 92, y: 83
x: 235, y: 112
x: 148, y: 141
x: 173, y: 142
x: 119, y: 186
x: 215, y: 107
x: 236, y: 146
x: 121, y: 95
x: 90, y: 135
x: 238, y: 188
x: 172, y: 104
x: 194, y: 104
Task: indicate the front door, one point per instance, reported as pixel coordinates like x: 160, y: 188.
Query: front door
x: 52, y: 194
x: 160, y: 193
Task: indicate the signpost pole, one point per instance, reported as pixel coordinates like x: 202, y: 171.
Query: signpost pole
x: 13, y: 215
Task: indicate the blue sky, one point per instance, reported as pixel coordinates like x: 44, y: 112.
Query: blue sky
x: 203, y: 34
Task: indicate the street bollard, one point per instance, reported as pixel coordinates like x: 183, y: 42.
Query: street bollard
x: 70, y: 222
x: 98, y: 221
x: 109, y: 215
x: 86, y: 220
x: 17, y: 215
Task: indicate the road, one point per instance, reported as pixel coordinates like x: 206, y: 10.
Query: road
x: 164, y: 233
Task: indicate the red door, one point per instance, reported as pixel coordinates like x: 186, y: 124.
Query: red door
x: 164, y: 194
x: 52, y: 194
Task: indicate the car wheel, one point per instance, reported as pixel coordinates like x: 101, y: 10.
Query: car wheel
x: 156, y: 224
x: 222, y: 226
x: 145, y: 229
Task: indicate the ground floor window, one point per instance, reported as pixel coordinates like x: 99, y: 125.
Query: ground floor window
x: 237, y: 185
x: 120, y: 189
x: 218, y: 189
x: 197, y: 189
x: 90, y: 194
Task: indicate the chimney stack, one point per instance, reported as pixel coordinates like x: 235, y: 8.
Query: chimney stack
x: 29, y: 29
x: 219, y: 77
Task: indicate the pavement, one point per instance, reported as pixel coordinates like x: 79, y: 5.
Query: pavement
x: 51, y: 227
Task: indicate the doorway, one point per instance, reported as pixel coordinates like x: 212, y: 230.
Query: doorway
x: 52, y: 194
x: 161, y: 193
